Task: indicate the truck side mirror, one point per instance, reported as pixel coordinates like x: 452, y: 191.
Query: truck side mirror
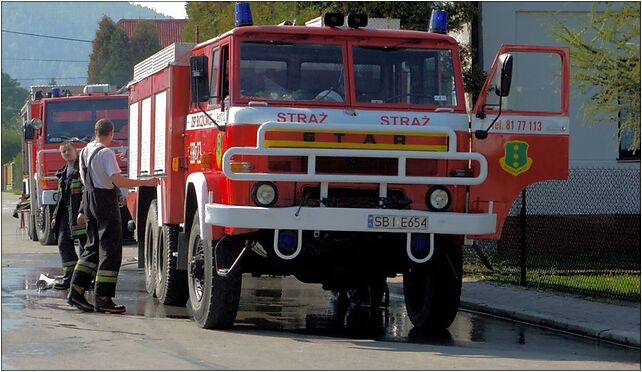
x: 198, y: 75
x: 28, y: 128
x: 36, y: 123
x: 503, y: 82
x: 27, y: 131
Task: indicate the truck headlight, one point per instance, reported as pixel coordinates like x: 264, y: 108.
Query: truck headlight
x: 264, y: 194
x: 438, y: 198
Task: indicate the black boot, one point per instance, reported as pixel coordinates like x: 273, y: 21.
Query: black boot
x: 63, y: 283
x: 106, y: 305
x: 78, y: 300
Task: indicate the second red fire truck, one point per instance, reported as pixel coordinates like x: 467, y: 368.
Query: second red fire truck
x: 341, y: 156
x: 51, y: 115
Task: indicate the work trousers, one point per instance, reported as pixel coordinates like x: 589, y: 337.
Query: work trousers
x: 103, y: 252
x: 66, y: 245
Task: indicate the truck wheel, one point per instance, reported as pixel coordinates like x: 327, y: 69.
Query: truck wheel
x: 152, y: 232
x: 432, y: 291
x: 171, y: 284
x: 32, y: 228
x: 46, y: 235
x: 213, y: 300
x: 124, y: 218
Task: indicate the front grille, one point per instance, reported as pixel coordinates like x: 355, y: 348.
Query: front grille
x: 360, y: 166
x: 355, y: 198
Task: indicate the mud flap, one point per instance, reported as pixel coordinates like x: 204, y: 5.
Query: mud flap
x: 181, y: 260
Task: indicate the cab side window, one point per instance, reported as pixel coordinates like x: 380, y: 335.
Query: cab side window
x: 214, y: 78
x: 225, y: 74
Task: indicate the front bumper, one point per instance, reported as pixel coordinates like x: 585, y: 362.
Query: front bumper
x: 344, y: 219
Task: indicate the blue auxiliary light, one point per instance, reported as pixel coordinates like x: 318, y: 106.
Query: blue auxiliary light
x: 420, y: 244
x: 288, y: 241
x: 242, y: 14
x: 55, y: 92
x: 438, y: 22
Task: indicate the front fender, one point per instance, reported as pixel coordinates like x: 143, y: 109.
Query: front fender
x: 208, y: 188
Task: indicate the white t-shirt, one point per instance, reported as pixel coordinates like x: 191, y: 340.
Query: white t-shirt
x: 103, y: 166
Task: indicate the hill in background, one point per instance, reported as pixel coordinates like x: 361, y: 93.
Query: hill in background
x: 76, y: 20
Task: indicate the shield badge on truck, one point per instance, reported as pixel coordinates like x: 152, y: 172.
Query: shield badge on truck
x: 219, y: 151
x: 515, y: 160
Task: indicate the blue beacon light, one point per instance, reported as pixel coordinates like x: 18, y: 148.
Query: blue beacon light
x: 438, y: 22
x: 242, y: 14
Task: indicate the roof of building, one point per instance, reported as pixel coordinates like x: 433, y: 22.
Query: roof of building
x: 169, y: 30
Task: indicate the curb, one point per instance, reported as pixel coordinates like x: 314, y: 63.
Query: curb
x: 627, y: 338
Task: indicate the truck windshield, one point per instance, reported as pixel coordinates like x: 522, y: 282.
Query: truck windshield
x: 65, y: 120
x: 389, y: 75
x: 292, y: 72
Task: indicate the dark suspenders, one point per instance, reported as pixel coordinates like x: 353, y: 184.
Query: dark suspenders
x: 86, y: 168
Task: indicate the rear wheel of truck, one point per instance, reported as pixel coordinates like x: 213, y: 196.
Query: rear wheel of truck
x: 213, y: 300
x: 32, y: 228
x: 152, y: 239
x: 125, y: 217
x: 171, y: 284
x: 432, y: 290
x: 46, y: 235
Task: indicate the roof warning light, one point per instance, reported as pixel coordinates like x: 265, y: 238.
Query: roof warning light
x: 242, y: 14
x: 438, y: 22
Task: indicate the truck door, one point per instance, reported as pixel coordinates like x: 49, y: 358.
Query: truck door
x: 526, y: 140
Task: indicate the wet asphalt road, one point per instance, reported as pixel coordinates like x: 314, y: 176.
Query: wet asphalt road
x: 282, y: 324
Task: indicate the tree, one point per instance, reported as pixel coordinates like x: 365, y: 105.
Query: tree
x: 144, y: 42
x: 213, y: 18
x: 413, y: 15
x: 118, y: 66
x: 605, y: 61
x: 99, y: 50
x: 13, y: 97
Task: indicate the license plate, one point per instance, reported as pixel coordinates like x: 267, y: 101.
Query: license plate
x: 377, y: 221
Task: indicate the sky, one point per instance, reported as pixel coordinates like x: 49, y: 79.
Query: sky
x: 174, y: 9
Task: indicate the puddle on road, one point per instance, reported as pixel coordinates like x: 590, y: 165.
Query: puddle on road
x: 284, y: 304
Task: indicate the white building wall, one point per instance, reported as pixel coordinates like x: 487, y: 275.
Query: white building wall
x: 592, y: 145
x: 598, y: 182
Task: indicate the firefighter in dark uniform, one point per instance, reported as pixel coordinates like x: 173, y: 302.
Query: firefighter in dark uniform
x: 64, y: 221
x: 102, y: 255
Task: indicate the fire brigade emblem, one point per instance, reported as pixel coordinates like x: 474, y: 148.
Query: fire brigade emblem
x: 219, y: 153
x: 516, y: 160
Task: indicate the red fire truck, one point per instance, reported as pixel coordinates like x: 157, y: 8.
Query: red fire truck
x: 339, y: 155
x: 51, y: 115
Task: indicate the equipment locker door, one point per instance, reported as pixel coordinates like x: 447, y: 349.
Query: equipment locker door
x: 527, y: 138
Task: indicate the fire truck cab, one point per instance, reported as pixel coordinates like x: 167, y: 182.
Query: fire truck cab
x: 342, y: 156
x: 51, y: 115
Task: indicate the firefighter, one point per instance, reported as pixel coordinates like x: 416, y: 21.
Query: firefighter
x: 64, y: 221
x: 102, y: 256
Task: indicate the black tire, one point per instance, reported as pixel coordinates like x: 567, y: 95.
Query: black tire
x: 213, y: 300
x: 46, y: 235
x: 432, y: 290
x: 33, y: 235
x: 152, y: 239
x: 171, y: 284
x: 125, y: 217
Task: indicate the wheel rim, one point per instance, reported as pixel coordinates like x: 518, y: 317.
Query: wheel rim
x: 197, y: 268
x: 40, y: 221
